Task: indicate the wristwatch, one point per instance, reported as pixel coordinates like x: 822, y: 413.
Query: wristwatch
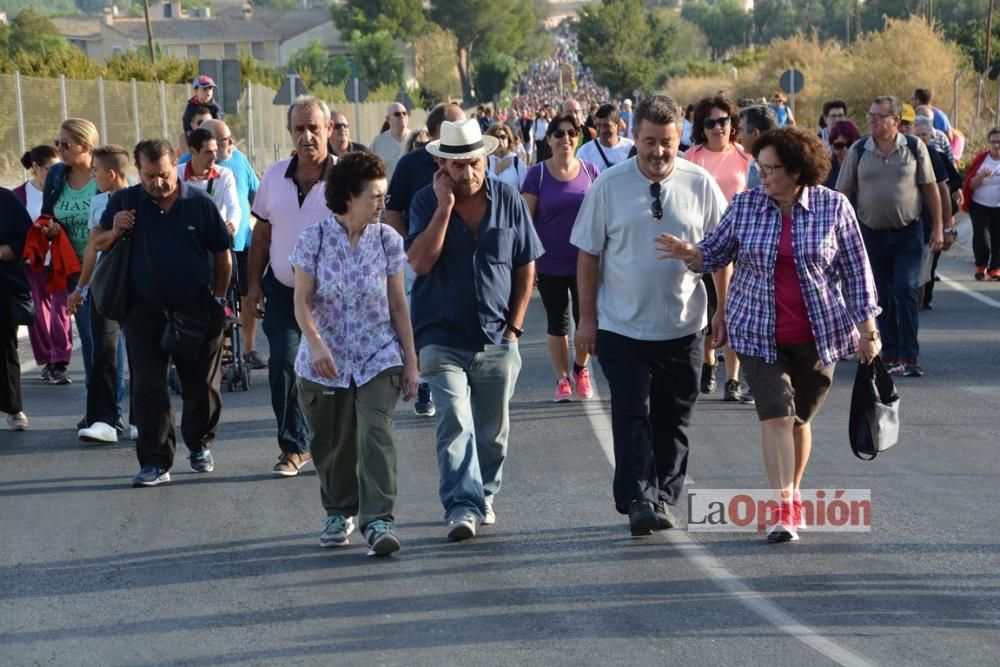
x: 83, y: 290
x: 221, y: 300
x: 870, y: 335
x: 517, y: 331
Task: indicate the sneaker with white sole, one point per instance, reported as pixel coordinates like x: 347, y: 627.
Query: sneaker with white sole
x: 202, y: 461
x: 462, y: 528
x: 99, y: 433
x: 490, y: 517
x: 584, y: 389
x: 564, y: 393
x: 382, y: 541
x: 151, y: 476
x: 290, y: 463
x: 17, y: 421
x: 338, y: 527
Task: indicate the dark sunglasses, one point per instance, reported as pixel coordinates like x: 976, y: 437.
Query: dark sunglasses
x: 341, y: 126
x: 839, y: 144
x: 709, y: 123
x: 559, y: 134
x: 65, y: 145
x: 657, y: 208
x: 400, y: 114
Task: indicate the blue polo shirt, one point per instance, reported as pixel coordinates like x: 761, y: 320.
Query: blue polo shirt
x: 464, y: 302
x: 414, y: 172
x: 247, y: 184
x: 172, y: 252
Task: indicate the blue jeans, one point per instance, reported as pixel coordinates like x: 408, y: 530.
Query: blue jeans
x: 283, y: 336
x: 895, y: 258
x: 472, y: 391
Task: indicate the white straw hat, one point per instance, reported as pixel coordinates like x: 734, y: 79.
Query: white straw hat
x: 462, y: 141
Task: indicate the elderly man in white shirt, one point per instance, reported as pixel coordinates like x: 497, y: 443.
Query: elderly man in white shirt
x: 390, y: 145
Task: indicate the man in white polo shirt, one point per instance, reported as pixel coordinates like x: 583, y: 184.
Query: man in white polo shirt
x: 644, y: 320
x: 291, y: 197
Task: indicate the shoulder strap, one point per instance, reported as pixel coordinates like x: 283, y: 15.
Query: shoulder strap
x: 859, y: 147
x: 601, y: 151
x: 911, y: 143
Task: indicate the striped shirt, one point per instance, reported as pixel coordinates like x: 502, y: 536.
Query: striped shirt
x: 830, y: 261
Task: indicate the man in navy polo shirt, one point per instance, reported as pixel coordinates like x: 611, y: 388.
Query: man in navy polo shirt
x: 171, y: 225
x: 414, y: 172
x: 473, y: 248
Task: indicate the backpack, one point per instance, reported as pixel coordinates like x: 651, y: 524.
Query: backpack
x: 911, y: 143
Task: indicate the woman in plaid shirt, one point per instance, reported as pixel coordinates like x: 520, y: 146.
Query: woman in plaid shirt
x: 802, y: 297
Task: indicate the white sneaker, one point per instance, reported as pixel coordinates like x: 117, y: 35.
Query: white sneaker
x: 100, y: 433
x: 17, y: 422
x: 491, y: 516
x: 462, y: 528
x: 133, y: 433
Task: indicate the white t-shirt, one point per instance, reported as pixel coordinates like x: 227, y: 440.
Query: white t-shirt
x: 616, y: 155
x: 541, y: 127
x: 389, y: 149
x: 988, y: 194
x: 638, y: 295
x: 34, y: 197
x: 223, y: 193
x: 513, y: 175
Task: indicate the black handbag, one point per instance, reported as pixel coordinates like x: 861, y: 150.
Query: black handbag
x: 22, y: 309
x: 874, y: 419
x: 109, y: 286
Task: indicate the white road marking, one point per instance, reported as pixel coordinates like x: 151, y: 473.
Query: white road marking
x: 957, y: 286
x: 711, y: 567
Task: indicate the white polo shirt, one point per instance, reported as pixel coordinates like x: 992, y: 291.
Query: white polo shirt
x: 638, y: 295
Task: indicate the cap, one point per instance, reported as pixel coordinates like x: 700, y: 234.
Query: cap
x: 908, y: 114
x: 204, y: 81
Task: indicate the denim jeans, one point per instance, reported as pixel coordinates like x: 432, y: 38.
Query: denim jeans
x: 283, y: 336
x: 654, y: 386
x: 895, y: 258
x: 472, y: 391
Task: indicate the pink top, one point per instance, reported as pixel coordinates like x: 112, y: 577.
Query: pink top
x: 277, y: 201
x: 791, y: 322
x: 729, y: 167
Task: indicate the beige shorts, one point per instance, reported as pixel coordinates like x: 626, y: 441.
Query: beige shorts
x: 794, y: 386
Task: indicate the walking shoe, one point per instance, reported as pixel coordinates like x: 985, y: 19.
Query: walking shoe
x: 424, y: 405
x: 665, y: 519
x: 151, y: 476
x: 994, y: 274
x: 784, y: 527
x: 98, y: 433
x: 490, y: 517
x: 913, y: 371
x: 980, y: 273
x: 564, y: 393
x: 202, y: 461
x: 798, y: 516
x: 641, y: 518
x: 254, y: 360
x: 337, y: 529
x: 381, y: 540
x: 732, y: 391
x: 133, y: 433
x: 583, y: 387
x: 894, y: 368
x: 708, y: 382
x: 46, y: 372
x: 59, y: 376
x: 17, y: 421
x: 289, y: 464
x: 462, y: 528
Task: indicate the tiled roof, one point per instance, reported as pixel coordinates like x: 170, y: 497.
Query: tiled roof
x: 196, y: 30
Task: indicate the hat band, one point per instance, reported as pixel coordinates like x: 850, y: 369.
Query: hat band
x: 458, y: 150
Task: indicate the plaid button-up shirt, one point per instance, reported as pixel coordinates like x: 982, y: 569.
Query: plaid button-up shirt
x: 830, y: 261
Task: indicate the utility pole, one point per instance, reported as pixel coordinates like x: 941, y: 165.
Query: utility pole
x: 989, y: 35
x: 149, y: 32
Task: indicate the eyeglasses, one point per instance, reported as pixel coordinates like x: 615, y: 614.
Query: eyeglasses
x: 559, y: 134
x: 400, y: 114
x: 657, y: 207
x: 502, y: 137
x: 839, y: 145
x: 879, y: 116
x: 769, y: 169
x: 341, y: 126
x: 709, y: 123
x: 65, y: 145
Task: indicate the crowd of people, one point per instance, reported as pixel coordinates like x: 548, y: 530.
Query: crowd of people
x: 405, y: 269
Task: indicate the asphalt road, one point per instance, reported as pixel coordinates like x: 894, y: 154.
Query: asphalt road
x: 224, y: 568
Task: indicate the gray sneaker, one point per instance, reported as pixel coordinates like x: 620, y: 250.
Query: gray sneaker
x: 491, y: 516
x: 337, y: 529
x: 462, y: 528
x: 381, y: 540
x: 202, y: 461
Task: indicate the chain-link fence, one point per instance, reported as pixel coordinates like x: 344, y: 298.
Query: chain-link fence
x: 31, y: 110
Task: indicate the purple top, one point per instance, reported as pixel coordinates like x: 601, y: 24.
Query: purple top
x: 351, y: 303
x: 555, y: 213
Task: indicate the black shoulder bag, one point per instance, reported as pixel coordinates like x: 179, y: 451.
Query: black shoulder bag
x: 109, y: 287
x: 874, y: 416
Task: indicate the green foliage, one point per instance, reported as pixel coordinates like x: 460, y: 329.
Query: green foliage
x: 34, y: 33
x: 494, y: 74
x: 45, y: 7
x: 724, y: 22
x: 376, y: 60
x: 133, y: 65
x: 402, y: 19
x: 315, y: 65
x: 435, y: 50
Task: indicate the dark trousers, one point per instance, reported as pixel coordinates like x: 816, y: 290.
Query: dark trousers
x: 10, y: 384
x: 985, y: 235
x: 654, y: 385
x: 199, y: 378
x: 895, y: 258
x: 103, y: 397
x: 283, y: 336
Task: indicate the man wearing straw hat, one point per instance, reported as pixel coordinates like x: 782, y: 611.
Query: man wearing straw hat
x: 473, y: 248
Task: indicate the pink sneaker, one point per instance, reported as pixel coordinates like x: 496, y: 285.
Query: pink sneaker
x: 583, y: 388
x: 564, y: 393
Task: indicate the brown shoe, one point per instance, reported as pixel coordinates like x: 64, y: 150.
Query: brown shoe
x: 289, y: 464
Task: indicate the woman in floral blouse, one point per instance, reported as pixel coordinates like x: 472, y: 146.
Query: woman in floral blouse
x: 356, y: 353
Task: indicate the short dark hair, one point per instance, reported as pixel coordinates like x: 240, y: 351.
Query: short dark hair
x: 42, y: 155
x: 607, y: 112
x: 922, y: 95
x: 153, y: 150
x: 758, y: 117
x: 554, y: 124
x: 198, y: 137
x: 833, y: 104
x: 201, y: 111
x: 704, y: 108
x: 799, y: 150
x: 349, y: 177
x: 111, y: 156
x: 658, y: 110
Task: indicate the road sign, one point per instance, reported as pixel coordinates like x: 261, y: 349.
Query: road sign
x: 291, y: 88
x: 356, y: 90
x: 792, y: 81
x: 405, y: 100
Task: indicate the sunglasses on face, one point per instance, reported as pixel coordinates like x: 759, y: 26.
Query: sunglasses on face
x: 341, y: 126
x: 709, y: 123
x: 400, y: 114
x: 65, y: 145
x: 559, y: 134
x: 656, y: 209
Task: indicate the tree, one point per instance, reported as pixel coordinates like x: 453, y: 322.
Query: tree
x: 725, y: 23
x: 321, y: 65
x: 33, y: 33
x: 434, y: 52
x: 376, y: 59
x: 402, y: 19
x: 494, y: 74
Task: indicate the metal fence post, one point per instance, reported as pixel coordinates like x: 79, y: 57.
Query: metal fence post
x: 20, y: 117
x: 163, y: 108
x: 135, y: 111
x: 62, y: 94
x: 101, y: 109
